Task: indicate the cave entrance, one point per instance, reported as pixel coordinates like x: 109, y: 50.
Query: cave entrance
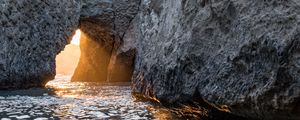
x: 98, y: 57
x: 67, y: 60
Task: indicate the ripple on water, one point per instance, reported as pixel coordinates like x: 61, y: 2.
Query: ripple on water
x: 63, y: 99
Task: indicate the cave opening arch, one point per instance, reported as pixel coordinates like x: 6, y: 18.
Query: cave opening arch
x: 101, y: 58
x: 108, y: 40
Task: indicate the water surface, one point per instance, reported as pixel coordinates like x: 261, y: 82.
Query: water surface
x: 62, y: 99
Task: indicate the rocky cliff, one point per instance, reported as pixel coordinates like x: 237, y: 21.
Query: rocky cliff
x: 240, y: 53
x: 33, y: 32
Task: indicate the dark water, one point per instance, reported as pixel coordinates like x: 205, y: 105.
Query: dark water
x: 63, y: 99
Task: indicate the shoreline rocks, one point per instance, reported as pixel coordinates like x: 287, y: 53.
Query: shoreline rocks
x: 242, y: 54
x: 236, y: 53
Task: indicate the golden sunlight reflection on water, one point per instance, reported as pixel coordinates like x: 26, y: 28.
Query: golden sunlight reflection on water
x: 84, y: 99
x: 106, y: 96
x: 78, y: 100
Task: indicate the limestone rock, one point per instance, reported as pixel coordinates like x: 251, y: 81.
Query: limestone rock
x: 240, y: 53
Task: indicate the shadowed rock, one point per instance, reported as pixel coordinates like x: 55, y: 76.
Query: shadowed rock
x: 33, y: 32
x: 240, y: 53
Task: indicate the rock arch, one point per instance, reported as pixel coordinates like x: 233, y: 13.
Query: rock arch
x: 105, y: 53
x: 34, y: 32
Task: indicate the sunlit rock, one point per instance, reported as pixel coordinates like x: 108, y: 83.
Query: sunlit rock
x: 96, y: 47
x: 107, y: 51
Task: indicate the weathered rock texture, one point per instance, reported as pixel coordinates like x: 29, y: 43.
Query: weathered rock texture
x: 33, y: 32
x: 104, y: 24
x: 240, y: 53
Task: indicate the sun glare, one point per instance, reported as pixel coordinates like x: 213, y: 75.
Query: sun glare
x: 76, y: 38
x: 67, y: 60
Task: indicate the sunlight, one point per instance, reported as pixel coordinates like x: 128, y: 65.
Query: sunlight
x: 67, y: 60
x: 76, y: 38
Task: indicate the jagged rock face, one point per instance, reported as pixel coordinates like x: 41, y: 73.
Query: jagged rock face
x: 104, y: 24
x: 240, y: 53
x: 33, y: 32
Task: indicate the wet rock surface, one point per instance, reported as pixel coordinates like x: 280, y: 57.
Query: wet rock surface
x: 239, y: 53
x: 32, y: 34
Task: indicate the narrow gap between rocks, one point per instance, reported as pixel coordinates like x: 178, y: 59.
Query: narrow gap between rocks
x: 67, y: 60
x: 95, y: 54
